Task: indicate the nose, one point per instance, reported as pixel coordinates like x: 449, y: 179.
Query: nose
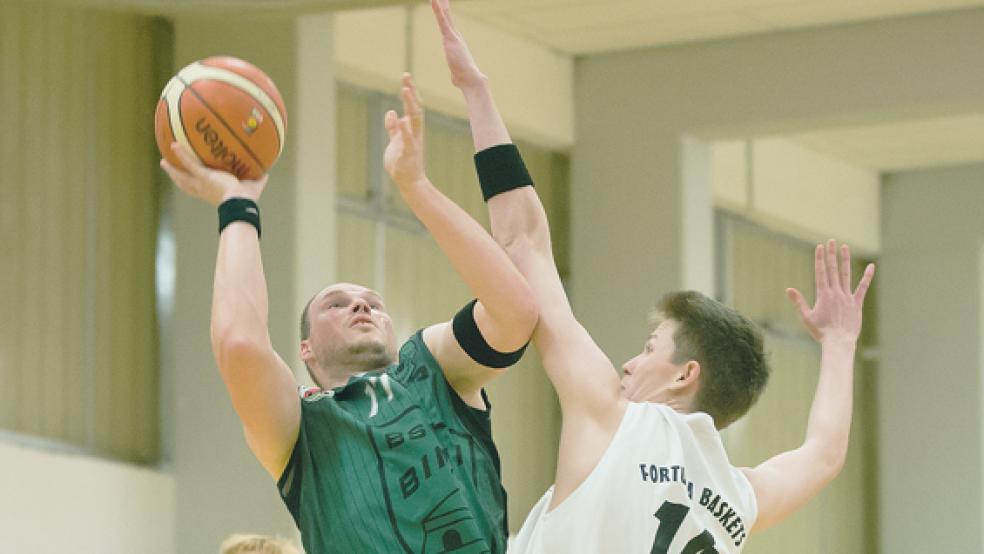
x: 361, y: 305
x: 627, y: 367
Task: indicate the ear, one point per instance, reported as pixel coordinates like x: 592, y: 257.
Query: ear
x: 688, y: 376
x: 307, y: 355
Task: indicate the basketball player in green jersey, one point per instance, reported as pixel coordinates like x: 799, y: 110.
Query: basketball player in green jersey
x: 617, y: 487
x: 393, y: 452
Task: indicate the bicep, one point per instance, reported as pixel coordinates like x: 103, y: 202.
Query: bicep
x: 264, y: 394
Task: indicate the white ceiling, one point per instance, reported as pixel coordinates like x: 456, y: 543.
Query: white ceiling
x: 580, y: 27
x: 591, y: 26
x: 904, y: 145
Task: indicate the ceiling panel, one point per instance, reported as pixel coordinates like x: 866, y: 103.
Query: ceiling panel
x: 559, y: 9
x: 582, y: 26
x: 585, y: 34
x: 803, y: 14
x: 591, y: 26
x: 579, y: 27
x: 904, y: 145
x: 283, y: 7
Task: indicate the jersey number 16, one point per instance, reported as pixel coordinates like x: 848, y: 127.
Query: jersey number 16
x: 670, y: 517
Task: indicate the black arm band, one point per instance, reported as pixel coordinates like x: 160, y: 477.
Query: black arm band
x: 239, y: 209
x: 500, y: 169
x: 473, y: 343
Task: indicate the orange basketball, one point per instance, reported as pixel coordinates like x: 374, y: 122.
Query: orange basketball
x: 225, y: 111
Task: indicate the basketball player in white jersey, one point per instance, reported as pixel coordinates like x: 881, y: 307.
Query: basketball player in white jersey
x: 641, y: 466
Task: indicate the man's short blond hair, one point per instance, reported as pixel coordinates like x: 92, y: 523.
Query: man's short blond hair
x: 256, y: 544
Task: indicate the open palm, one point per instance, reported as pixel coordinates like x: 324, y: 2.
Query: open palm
x: 836, y: 314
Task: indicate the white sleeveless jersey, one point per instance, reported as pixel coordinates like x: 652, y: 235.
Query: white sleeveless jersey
x: 664, y: 485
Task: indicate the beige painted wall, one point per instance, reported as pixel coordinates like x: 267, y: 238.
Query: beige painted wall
x: 533, y: 85
x: 56, y: 502
x: 631, y: 178
x: 313, y: 139
x: 929, y: 387
x: 725, y: 89
x: 68, y: 283
x: 731, y: 88
x: 797, y: 191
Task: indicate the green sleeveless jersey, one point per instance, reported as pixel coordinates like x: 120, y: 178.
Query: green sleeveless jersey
x: 395, y: 462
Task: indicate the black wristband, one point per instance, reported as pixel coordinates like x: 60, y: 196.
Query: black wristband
x: 470, y: 338
x: 500, y: 169
x: 239, y: 209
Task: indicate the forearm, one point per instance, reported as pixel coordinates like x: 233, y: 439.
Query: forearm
x: 787, y: 481
x: 488, y: 128
x: 481, y: 263
x: 239, y: 300
x: 829, y: 424
x: 517, y: 216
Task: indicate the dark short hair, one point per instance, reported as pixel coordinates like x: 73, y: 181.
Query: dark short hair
x: 306, y: 331
x: 729, y: 349
x: 306, y: 320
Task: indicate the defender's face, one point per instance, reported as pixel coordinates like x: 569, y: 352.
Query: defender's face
x: 350, y: 325
x: 648, y: 377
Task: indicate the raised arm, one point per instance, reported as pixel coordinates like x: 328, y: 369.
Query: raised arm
x: 506, y: 311
x: 583, y: 376
x: 262, y: 388
x: 786, y: 482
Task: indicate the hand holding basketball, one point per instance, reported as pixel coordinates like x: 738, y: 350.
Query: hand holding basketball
x: 210, y: 185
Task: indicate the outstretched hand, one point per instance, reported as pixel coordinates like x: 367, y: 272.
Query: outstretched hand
x: 836, y: 315
x: 210, y: 185
x: 404, y: 155
x: 464, y: 70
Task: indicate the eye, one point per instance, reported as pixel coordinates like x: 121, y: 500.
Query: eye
x: 336, y: 304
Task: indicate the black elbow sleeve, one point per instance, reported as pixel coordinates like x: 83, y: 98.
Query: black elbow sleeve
x: 467, y: 334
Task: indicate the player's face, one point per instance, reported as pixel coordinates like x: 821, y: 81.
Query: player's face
x: 650, y: 376
x: 350, y: 326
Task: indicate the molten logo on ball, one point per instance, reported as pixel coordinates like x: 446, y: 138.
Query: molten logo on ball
x: 223, y: 156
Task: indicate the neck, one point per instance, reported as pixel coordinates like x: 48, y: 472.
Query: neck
x: 336, y: 376
x: 684, y: 405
